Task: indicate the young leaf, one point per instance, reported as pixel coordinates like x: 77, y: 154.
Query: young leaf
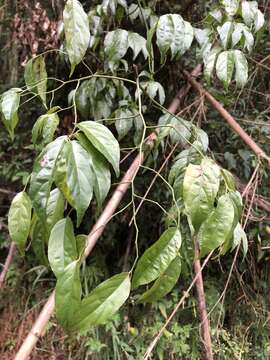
x: 55, y: 208
x: 201, y: 184
x: 102, y: 302
x: 225, y: 66
x: 157, y: 258
x: 43, y: 173
x: 100, y: 169
x: 62, y: 247
x: 79, y: 177
x: 19, y: 220
x: 35, y: 76
x: 68, y: 294
x: 164, y: 284
x: 77, y: 32
x: 9, y: 104
x: 45, y: 127
x: 103, y: 140
x: 218, y: 227
x: 241, y: 68
x: 173, y: 33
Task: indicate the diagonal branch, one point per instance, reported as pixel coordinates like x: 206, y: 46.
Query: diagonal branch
x: 39, y: 326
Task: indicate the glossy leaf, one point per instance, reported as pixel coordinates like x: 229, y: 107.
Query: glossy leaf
x: 45, y: 127
x: 225, y: 32
x: 77, y: 32
x: 104, y: 301
x: 19, y: 220
x: 79, y: 177
x: 9, y: 104
x: 35, y: 76
x: 103, y: 140
x: 100, y: 170
x: 200, y: 187
x: 252, y: 15
x: 62, y: 248
x: 164, y: 284
x: 241, y: 68
x: 68, y: 294
x: 157, y: 258
x: 210, y: 62
x: 218, y: 226
x: 43, y: 175
x: 225, y: 67
x: 173, y: 33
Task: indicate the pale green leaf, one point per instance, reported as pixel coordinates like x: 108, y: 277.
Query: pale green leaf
x: 102, y: 303
x: 200, y: 187
x: 68, y: 294
x: 225, y: 32
x: 77, y: 32
x: 45, y: 127
x: 35, y: 76
x: 9, y: 104
x: 19, y: 220
x: 62, y: 247
x: 103, y: 140
x: 43, y: 175
x: 55, y: 208
x: 218, y: 227
x: 137, y: 43
x: 79, y: 177
x: 164, y: 284
x: 231, y: 6
x: 100, y: 170
x: 225, y: 66
x: 241, y: 68
x: 124, y: 122
x: 115, y: 46
x: 157, y: 258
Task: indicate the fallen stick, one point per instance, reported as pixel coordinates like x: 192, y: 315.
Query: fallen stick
x: 39, y: 326
x: 258, y: 151
x: 11, y: 252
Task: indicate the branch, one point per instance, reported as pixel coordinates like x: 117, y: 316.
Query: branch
x: 230, y: 120
x: 39, y: 326
x: 8, y: 261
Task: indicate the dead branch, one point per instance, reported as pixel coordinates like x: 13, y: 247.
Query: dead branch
x: 11, y: 253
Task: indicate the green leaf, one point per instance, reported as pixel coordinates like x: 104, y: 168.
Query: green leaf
x: 225, y: 66
x: 218, y: 227
x: 201, y: 184
x: 124, y: 122
x: 43, y: 175
x: 19, y: 220
x: 241, y: 68
x: 100, y: 169
x: 239, y: 236
x: 115, y: 46
x: 173, y: 33
x: 39, y: 238
x: 209, y: 63
x: 35, y: 76
x: 9, y: 104
x: 164, y: 284
x: 68, y: 294
x: 157, y: 258
x: 102, y: 303
x: 55, y: 208
x: 45, y: 127
x: 103, y: 140
x: 228, y: 179
x: 62, y: 248
x: 81, y: 241
x: 137, y: 43
x: 153, y: 89
x: 77, y: 32
x: 79, y: 177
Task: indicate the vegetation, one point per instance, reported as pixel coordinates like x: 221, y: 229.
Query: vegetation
x: 134, y: 142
